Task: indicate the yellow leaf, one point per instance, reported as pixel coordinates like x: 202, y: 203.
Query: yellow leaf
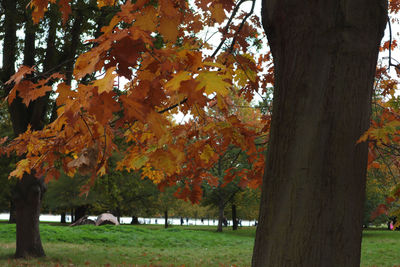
x: 175, y: 83
x: 102, y: 171
x: 22, y: 167
x: 114, y: 21
x: 212, y: 82
x: 207, y: 153
x: 147, y: 19
x: 106, y: 84
x: 138, y: 162
x: 163, y: 160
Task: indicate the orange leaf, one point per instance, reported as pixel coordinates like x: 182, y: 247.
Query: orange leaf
x: 169, y: 28
x: 106, y: 84
x: 20, y: 74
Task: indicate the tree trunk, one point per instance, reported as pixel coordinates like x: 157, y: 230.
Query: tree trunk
x: 28, y: 198
x: 80, y: 212
x: 13, y: 218
x: 234, y: 218
x: 135, y: 220
x: 314, y: 182
x: 63, y: 217
x: 220, y: 217
x: 166, y: 219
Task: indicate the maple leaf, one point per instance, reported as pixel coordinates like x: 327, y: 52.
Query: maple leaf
x: 147, y: 19
x: 157, y: 123
x: 20, y: 74
x: 175, y: 83
x: 106, y: 84
x: 169, y: 28
x: 217, y: 13
x: 212, y: 82
x: 85, y: 64
x: 39, y: 7
x: 22, y: 167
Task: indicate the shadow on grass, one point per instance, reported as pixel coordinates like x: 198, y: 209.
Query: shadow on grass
x: 7, y: 256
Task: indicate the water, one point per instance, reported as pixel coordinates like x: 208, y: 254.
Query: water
x: 127, y: 220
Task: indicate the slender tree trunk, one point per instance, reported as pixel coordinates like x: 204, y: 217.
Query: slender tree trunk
x: 166, y: 219
x: 28, y: 198
x: 234, y: 218
x: 63, y: 217
x: 313, y: 191
x: 220, y: 217
x: 13, y: 218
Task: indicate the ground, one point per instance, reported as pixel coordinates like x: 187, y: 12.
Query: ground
x: 150, y: 245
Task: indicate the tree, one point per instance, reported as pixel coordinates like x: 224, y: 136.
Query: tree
x: 57, y: 55
x: 64, y: 195
x: 159, y: 48
x: 314, y: 181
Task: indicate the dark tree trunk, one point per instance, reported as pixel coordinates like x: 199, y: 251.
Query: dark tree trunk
x: 28, y: 198
x: 135, y: 220
x: 63, y: 217
x: 80, y: 212
x: 13, y: 218
x: 166, y: 219
x: 234, y: 218
x: 313, y: 190
x: 220, y: 217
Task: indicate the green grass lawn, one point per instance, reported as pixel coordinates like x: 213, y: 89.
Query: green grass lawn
x: 149, y: 245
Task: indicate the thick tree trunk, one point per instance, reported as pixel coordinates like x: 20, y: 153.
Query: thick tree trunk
x: 220, y: 217
x: 28, y: 198
x: 234, y: 218
x: 313, y: 191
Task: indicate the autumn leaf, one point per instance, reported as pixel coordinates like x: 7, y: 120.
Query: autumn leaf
x: 207, y: 153
x: 65, y: 9
x: 39, y: 7
x: 217, y: 13
x: 169, y: 28
x: 137, y: 162
x: 20, y: 74
x: 22, y: 167
x: 102, y: 3
x: 147, y: 19
x: 106, y: 84
x: 212, y: 82
x: 175, y: 83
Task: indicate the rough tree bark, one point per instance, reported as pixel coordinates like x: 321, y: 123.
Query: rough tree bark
x: 28, y: 199
x: 325, y: 55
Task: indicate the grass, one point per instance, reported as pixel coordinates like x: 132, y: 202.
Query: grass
x: 127, y: 245
x: 151, y: 245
